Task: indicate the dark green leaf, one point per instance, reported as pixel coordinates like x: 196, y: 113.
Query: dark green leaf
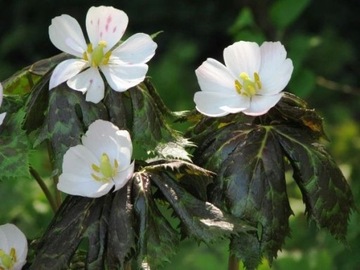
x: 250, y: 181
x: 67, y: 117
x: 120, y: 235
x: 64, y: 234
x: 295, y: 111
x: 156, y: 235
x: 150, y: 130
x: 325, y: 191
x: 199, y: 219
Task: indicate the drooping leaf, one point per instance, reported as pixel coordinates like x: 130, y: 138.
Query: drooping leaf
x: 250, y: 182
x: 199, y: 219
x: 326, y: 194
x: 156, y: 236
x: 193, y: 178
x: 64, y: 234
x: 120, y: 234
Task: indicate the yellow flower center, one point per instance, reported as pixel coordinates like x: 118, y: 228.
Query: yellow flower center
x: 7, y: 261
x: 105, y: 171
x: 248, y: 87
x: 96, y: 55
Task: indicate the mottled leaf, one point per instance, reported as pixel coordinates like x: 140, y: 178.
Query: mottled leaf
x: 155, y: 234
x: 120, y: 235
x: 199, y: 219
x: 14, y: 147
x: 326, y: 194
x: 250, y: 182
x: 67, y: 117
x: 64, y: 234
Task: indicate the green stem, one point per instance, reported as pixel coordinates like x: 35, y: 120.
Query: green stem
x: 44, y: 188
x: 233, y: 263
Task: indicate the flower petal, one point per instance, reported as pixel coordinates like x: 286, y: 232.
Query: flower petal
x: 262, y: 104
x: 241, y: 57
x: 2, y: 117
x: 78, y: 160
x: 106, y: 24
x: 217, y: 104
x: 121, y: 76
x: 89, y: 81
x: 65, y: 71
x: 124, y: 176
x: 276, y: 69
x: 137, y: 49
x: 99, y: 139
x: 213, y: 76
x: 66, y: 35
x: 12, y: 237
x: 87, y: 187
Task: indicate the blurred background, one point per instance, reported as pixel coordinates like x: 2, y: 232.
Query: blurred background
x: 321, y: 37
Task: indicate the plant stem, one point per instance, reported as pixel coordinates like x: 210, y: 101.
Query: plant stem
x: 233, y: 263
x: 44, y: 188
x: 58, y: 198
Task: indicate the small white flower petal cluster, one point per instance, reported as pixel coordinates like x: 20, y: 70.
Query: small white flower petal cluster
x: 100, y: 163
x: 2, y: 115
x: 251, y: 80
x: 13, y: 247
x: 122, y: 64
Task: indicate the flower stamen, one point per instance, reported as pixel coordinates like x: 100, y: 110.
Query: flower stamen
x: 249, y: 87
x: 7, y: 261
x: 97, y: 55
x: 105, y: 171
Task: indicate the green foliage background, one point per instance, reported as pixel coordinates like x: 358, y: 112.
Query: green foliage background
x: 321, y: 38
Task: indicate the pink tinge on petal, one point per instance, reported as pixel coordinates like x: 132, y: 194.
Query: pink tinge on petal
x: 66, y: 35
x: 106, y: 24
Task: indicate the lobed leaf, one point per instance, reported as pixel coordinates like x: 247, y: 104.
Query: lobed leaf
x: 326, y: 194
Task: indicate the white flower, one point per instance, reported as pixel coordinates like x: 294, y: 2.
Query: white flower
x: 102, y: 162
x: 123, y: 66
x: 250, y: 81
x: 13, y: 247
x: 2, y: 115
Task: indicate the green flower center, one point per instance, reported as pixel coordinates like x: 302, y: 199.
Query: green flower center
x: 105, y: 171
x: 96, y: 56
x: 7, y: 261
x: 249, y: 87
